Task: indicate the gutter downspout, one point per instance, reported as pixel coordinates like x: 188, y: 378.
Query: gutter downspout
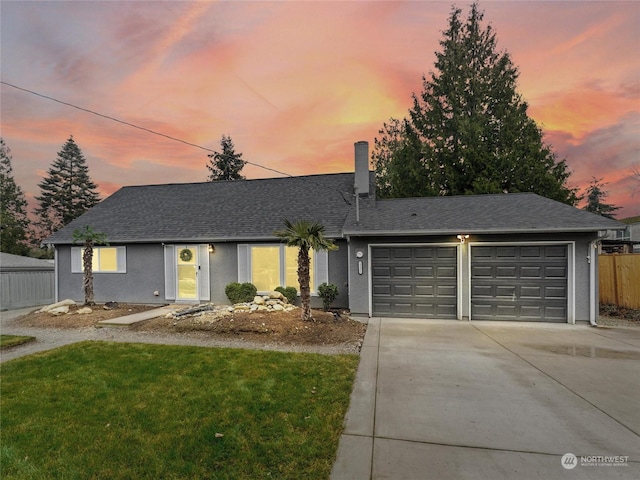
x: 592, y: 258
x: 357, y: 204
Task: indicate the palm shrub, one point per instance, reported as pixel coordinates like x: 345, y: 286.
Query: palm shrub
x: 89, y: 238
x: 328, y: 292
x: 305, y: 235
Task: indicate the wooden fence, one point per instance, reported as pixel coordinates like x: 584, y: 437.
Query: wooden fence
x: 619, y: 280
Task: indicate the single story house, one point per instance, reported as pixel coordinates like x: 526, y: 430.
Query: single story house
x: 500, y: 257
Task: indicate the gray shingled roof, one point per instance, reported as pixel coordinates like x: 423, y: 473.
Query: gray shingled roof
x: 502, y: 213
x: 217, y: 211
x: 247, y: 210
x: 11, y: 262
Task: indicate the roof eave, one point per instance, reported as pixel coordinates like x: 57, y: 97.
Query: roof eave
x: 371, y: 233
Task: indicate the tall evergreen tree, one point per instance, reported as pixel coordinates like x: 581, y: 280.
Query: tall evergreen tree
x: 14, y: 223
x: 225, y: 165
x: 471, y: 126
x: 595, y: 195
x: 67, y: 192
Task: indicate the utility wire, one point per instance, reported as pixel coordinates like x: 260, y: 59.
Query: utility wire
x: 108, y: 117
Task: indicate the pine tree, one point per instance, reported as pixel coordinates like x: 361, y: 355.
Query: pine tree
x: 595, y: 195
x: 471, y: 126
x: 14, y: 223
x: 67, y: 192
x: 225, y: 165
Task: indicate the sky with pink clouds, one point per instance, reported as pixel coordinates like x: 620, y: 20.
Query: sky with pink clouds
x: 296, y: 83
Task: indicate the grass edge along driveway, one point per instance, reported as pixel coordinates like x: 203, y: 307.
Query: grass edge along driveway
x: 106, y: 410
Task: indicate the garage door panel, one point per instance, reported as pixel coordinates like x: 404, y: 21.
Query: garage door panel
x: 446, y: 291
x: 446, y: 253
x: 555, y: 251
x: 448, y: 272
x: 383, y: 308
x: 402, y: 271
x: 505, y: 291
x: 418, y: 281
x: 520, y: 282
x: 506, y: 310
x: 556, y: 313
x: 533, y: 251
x: 381, y: 289
x: 482, y: 291
x: 424, y: 252
x: 555, y: 272
x: 446, y: 311
x: 424, y: 272
x: 424, y: 310
x: 505, y: 252
x: 502, y: 271
x: 381, y: 253
x: 527, y: 291
x: 402, y: 290
x: 530, y: 311
x: 401, y: 253
x: 381, y: 272
x: 555, y: 292
x: 425, y: 290
x: 531, y: 272
x: 402, y: 308
x: 482, y: 271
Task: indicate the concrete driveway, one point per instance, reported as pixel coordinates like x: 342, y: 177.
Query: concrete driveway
x: 493, y: 400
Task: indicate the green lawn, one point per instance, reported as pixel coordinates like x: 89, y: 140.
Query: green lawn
x: 7, y: 341
x: 100, y: 410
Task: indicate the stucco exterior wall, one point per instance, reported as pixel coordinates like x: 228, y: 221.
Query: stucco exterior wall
x: 144, y: 276
x: 339, y: 274
x: 579, y: 262
x: 223, y: 269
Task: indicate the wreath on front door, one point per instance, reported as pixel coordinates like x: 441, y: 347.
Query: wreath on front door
x: 186, y: 255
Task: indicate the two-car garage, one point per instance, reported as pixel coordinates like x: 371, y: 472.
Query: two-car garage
x: 515, y: 282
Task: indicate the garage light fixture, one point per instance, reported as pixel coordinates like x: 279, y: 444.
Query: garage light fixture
x: 462, y: 238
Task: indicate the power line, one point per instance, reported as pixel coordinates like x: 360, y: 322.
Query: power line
x: 153, y: 132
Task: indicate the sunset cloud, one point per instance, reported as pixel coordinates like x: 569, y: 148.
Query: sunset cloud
x: 295, y: 84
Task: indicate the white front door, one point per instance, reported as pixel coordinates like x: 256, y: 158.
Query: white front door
x: 187, y: 272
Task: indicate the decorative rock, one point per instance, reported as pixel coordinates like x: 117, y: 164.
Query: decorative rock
x: 276, y: 295
x: 278, y: 308
x: 110, y: 305
x: 84, y: 311
x: 241, y: 307
x: 258, y: 300
x: 262, y: 308
x: 68, y: 302
x: 58, y: 310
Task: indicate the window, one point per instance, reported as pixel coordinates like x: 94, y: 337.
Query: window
x: 270, y: 266
x: 105, y: 260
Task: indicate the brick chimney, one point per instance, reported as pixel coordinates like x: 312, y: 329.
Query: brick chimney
x: 362, y: 168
